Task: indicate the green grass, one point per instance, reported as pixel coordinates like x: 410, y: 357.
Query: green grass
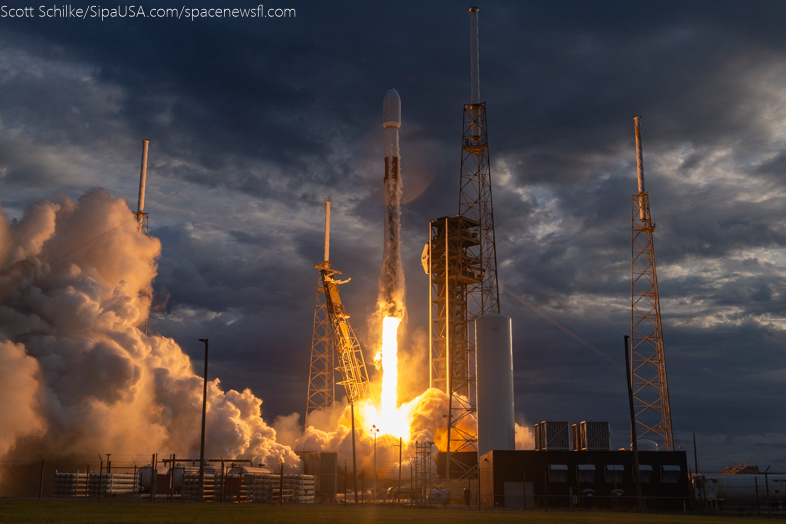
x: 22, y: 511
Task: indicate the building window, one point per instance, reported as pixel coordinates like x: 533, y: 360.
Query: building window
x: 585, y: 473
x: 670, y: 474
x: 558, y: 473
x: 615, y: 473
x: 645, y: 470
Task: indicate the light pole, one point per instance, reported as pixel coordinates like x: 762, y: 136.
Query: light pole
x: 375, y: 431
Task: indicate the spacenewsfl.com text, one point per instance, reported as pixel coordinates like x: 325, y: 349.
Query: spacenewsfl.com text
x: 136, y: 11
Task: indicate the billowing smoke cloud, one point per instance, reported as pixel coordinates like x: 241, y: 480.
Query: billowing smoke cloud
x: 524, y: 437
x: 76, y: 372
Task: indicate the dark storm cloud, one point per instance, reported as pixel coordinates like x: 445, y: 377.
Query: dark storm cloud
x: 264, y: 120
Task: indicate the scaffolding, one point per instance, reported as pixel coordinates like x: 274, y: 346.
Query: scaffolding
x: 652, y: 409
x: 421, y: 471
x: 454, y: 270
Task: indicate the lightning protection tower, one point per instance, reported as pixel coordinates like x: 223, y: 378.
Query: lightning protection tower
x: 140, y: 214
x: 648, y: 361
x: 462, y: 264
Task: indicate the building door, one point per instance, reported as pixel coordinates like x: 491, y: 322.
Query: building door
x: 514, y: 495
x: 529, y: 495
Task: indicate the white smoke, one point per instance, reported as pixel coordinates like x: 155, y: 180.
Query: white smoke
x: 76, y: 372
x: 525, y: 439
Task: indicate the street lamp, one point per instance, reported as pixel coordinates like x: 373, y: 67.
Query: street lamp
x: 375, y: 431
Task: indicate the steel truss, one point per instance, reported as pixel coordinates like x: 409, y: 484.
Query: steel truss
x: 463, y: 271
x: 648, y: 362
x: 475, y: 206
x: 141, y: 218
x: 321, y: 377
x: 351, y: 363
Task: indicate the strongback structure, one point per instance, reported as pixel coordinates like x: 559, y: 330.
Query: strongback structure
x: 462, y: 265
x: 333, y: 338
x: 648, y: 362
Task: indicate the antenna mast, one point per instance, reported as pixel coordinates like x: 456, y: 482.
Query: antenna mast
x: 648, y: 361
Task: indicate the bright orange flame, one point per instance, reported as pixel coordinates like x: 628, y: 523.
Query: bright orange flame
x: 389, y: 400
x: 388, y: 417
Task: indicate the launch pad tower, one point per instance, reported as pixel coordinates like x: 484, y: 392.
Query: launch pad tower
x: 462, y: 264
x: 648, y: 362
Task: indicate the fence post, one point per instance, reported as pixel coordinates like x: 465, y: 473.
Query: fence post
x: 758, y: 504
x: 767, y: 483
x: 41, y: 480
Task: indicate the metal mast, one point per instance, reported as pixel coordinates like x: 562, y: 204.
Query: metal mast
x: 321, y: 376
x: 648, y: 361
x: 462, y: 264
x: 140, y: 214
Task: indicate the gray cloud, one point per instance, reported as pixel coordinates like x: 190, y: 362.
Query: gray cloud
x: 266, y: 121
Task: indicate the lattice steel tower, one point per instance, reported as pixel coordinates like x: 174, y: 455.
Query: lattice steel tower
x: 648, y: 361
x: 462, y: 264
x: 321, y: 376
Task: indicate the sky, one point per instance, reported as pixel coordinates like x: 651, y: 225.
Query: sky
x: 254, y: 122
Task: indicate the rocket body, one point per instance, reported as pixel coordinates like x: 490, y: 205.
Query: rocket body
x: 391, y: 279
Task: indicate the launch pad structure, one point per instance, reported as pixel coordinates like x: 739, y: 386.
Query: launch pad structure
x: 462, y: 268
x: 652, y: 410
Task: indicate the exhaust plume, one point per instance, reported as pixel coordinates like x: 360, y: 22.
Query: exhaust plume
x: 77, y: 374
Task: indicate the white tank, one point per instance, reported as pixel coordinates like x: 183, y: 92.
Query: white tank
x: 494, y: 371
x: 647, y: 445
x: 391, y: 109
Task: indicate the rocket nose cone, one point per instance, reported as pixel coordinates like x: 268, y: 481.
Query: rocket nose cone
x: 391, y: 109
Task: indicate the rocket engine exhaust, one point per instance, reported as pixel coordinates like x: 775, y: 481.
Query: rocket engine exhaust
x: 391, y: 279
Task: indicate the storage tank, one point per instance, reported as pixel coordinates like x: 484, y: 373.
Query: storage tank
x: 494, y: 372
x: 647, y: 445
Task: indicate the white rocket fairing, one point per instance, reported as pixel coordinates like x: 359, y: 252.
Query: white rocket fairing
x: 392, y: 278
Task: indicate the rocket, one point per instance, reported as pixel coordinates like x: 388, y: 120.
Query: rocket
x: 391, y: 121
x: 391, y: 280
